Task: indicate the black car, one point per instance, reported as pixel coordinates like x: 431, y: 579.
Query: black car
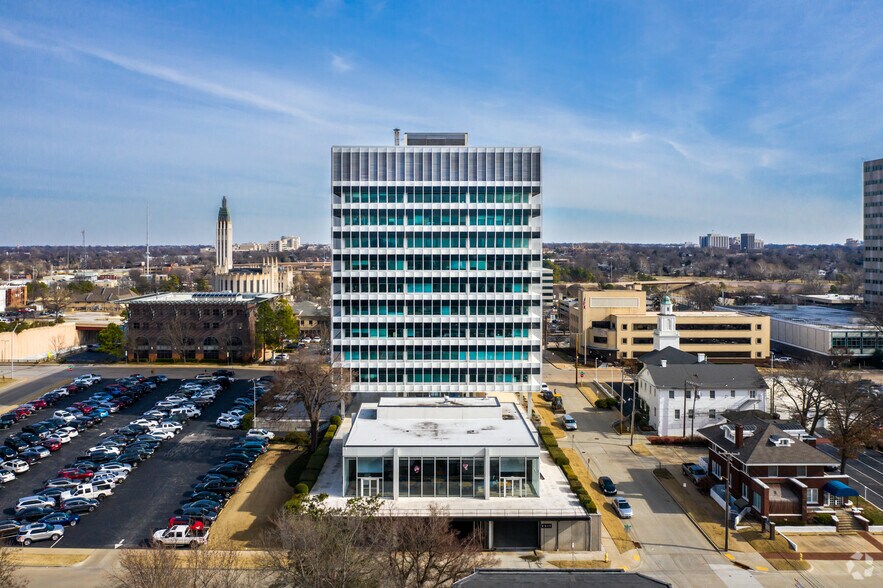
x: 55, y: 423
x: 16, y: 443
x: 33, y: 513
x: 9, y: 528
x: 38, y: 430
x: 239, y: 456
x: 211, y: 505
x: 607, y: 486
x: 250, y: 446
x: 84, y: 464
x: 7, y: 420
x: 79, y: 425
x: 221, y: 477
x: 227, y: 373
x: 206, y: 514
x: 51, y: 398
x: 234, y: 469
x: 30, y: 438
x: 131, y: 459
x: 53, y: 493
x: 7, y: 452
x: 30, y: 455
x: 87, y: 422
x: 78, y: 504
x: 217, y: 486
x: 102, y: 456
x: 206, y: 495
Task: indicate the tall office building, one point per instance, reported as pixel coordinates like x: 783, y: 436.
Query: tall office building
x: 747, y: 242
x: 436, y: 266
x: 872, y: 186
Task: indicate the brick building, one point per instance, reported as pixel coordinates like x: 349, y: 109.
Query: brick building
x: 193, y: 326
x: 13, y: 297
x: 774, y: 473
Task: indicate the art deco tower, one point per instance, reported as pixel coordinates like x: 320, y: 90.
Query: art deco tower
x: 224, y: 239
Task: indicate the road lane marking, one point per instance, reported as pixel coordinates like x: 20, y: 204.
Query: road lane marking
x: 120, y: 544
x: 56, y: 542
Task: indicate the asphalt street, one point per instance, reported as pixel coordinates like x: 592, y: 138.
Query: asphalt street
x: 154, y: 490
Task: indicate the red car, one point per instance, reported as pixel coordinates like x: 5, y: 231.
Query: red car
x: 75, y: 474
x: 38, y: 403
x: 194, y: 525
x: 51, y: 444
x: 23, y: 411
x: 83, y: 407
x: 72, y: 388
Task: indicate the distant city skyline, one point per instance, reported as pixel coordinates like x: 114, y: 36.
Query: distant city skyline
x: 657, y: 121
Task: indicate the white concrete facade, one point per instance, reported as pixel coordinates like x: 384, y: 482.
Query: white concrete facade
x: 437, y: 267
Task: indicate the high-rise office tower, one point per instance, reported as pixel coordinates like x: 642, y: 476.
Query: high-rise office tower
x: 224, y: 238
x: 747, y: 242
x: 872, y: 186
x: 436, y: 266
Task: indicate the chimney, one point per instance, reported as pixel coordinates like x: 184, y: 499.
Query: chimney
x: 663, y: 362
x: 740, y: 436
x: 395, y: 133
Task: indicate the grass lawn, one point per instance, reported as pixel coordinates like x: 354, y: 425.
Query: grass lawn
x: 869, y: 511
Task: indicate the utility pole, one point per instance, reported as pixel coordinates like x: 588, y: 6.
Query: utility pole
x: 147, y: 267
x: 632, y: 425
x: 576, y: 362
x: 727, y: 506
x: 684, y: 415
x: 621, y: 396
x: 83, y: 233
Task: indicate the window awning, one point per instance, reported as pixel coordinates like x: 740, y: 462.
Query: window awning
x: 839, y: 489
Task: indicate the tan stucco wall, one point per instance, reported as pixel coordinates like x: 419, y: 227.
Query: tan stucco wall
x: 39, y: 343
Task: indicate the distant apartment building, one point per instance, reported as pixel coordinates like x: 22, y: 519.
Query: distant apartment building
x: 748, y: 242
x: 13, y: 297
x: 437, y: 266
x: 283, y: 244
x: 616, y: 324
x: 872, y: 186
x: 714, y: 241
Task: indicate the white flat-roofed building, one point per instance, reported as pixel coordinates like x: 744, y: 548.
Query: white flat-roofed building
x: 478, y: 460
x: 437, y: 266
x: 441, y: 447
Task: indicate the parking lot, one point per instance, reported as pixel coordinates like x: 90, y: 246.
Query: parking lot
x: 154, y: 491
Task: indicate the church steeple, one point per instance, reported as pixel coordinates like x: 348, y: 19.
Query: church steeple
x: 666, y: 334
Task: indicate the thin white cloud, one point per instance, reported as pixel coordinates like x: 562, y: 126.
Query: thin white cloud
x: 340, y: 64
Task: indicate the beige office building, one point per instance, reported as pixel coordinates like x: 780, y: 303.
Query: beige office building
x: 617, y: 324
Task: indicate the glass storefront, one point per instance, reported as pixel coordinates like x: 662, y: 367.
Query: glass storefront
x: 443, y: 476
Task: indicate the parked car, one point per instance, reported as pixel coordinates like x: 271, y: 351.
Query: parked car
x: 39, y: 532
x: 52, y: 443
x: 7, y: 453
x: 9, y: 528
x: 203, y: 503
x: 622, y: 508
x: 16, y: 466
x: 6, y: 476
x: 30, y: 501
x: 181, y: 535
x: 205, y: 514
x: 75, y: 473
x: 608, y: 488
x: 217, y: 486
x: 79, y: 505
x: 227, y: 422
x: 206, y: 495
x: 693, y: 471
x: 64, y: 519
x: 34, y: 513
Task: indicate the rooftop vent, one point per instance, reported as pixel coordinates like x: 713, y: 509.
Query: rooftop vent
x: 436, y: 139
x: 781, y: 440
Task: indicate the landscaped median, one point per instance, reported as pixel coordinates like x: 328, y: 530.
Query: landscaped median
x: 305, y: 470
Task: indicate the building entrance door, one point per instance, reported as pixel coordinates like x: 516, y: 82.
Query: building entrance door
x: 369, y: 486
x: 512, y: 487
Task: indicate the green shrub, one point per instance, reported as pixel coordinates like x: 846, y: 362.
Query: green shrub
x: 247, y: 421
x: 293, y: 503
x: 309, y: 477
x: 558, y: 457
x: 329, y: 434
x: 316, y: 461
x: 577, y: 486
x: 296, y: 468
x: 301, y: 438
x: 568, y: 471
x: 301, y: 489
x: 606, y: 403
x: 588, y: 504
x: 549, y: 441
x: 543, y: 431
x: 823, y: 519
x: 335, y: 420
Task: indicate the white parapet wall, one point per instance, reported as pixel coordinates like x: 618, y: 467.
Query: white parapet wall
x: 39, y: 343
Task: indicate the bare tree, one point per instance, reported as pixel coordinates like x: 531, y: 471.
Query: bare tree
x: 177, y: 332
x: 58, y: 343
x: 56, y: 298
x: 164, y: 567
x: 804, y: 393
x: 854, y: 412
x: 321, y: 547
x: 9, y: 577
x: 703, y: 296
x: 424, y: 552
x: 310, y: 378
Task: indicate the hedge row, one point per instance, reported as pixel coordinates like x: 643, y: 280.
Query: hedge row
x: 304, y: 471
x: 690, y: 441
x: 606, y: 403
x: 562, y: 461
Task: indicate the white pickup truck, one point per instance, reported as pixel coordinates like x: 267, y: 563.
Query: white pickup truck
x: 99, y: 490
x: 181, y: 535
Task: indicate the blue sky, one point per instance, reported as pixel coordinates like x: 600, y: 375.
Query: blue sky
x: 659, y: 121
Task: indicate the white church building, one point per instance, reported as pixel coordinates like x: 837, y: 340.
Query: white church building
x: 680, y: 392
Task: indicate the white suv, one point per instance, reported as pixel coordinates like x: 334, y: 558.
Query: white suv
x: 227, y: 422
